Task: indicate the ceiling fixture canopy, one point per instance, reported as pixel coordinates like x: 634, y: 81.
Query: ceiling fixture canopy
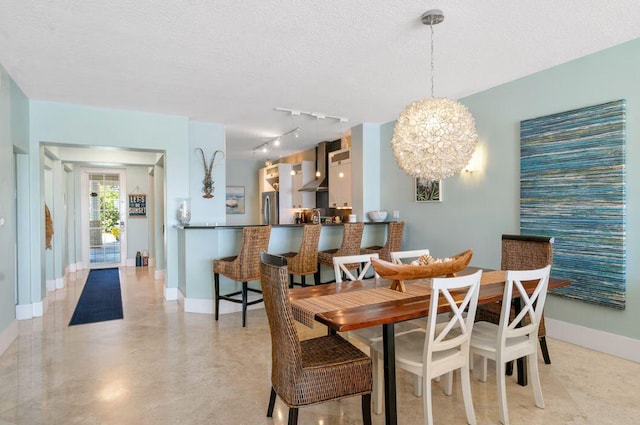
x: 434, y: 138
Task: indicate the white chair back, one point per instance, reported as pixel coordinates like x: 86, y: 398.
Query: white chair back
x: 531, y: 306
x: 460, y: 294
x: 398, y: 256
x: 342, y: 264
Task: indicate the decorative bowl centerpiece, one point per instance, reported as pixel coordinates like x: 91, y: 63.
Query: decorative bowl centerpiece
x: 401, y: 272
x: 377, y: 215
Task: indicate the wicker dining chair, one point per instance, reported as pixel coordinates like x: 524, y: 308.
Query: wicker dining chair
x: 310, y: 371
x: 522, y: 252
x: 243, y: 267
x: 394, y: 240
x: 305, y: 262
x: 351, y: 240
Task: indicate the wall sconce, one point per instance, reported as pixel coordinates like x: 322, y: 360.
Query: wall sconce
x: 476, y: 163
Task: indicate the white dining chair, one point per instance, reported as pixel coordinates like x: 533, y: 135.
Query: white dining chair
x: 371, y: 334
x: 513, y: 339
x: 346, y: 263
x: 443, y: 347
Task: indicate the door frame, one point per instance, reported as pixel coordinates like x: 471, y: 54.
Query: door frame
x: 84, y: 214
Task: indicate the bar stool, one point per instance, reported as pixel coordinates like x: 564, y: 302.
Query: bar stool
x: 351, y: 240
x: 394, y: 240
x: 305, y: 261
x: 243, y: 267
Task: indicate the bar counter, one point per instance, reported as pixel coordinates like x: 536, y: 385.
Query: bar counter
x: 200, y: 243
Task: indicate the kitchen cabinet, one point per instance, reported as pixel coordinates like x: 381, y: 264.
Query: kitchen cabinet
x: 340, y: 179
x: 304, y: 173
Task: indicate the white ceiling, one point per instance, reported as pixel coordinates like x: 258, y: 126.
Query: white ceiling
x: 232, y: 62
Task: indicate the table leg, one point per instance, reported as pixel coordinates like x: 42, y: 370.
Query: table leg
x: 389, y: 351
x: 522, y: 361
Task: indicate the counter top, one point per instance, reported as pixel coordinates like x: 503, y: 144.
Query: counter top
x: 242, y: 226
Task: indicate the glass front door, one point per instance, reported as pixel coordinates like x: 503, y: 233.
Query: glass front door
x: 104, y: 220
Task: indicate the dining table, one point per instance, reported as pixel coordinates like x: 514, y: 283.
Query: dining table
x: 352, y: 305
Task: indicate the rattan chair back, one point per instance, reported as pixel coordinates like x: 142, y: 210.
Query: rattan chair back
x: 286, y: 352
x: 305, y: 262
x: 351, y: 240
x: 522, y: 252
x: 246, y: 265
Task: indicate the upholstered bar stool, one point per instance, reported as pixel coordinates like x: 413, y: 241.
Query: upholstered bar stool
x: 305, y: 262
x: 351, y: 240
x: 394, y: 240
x: 522, y: 252
x: 243, y: 267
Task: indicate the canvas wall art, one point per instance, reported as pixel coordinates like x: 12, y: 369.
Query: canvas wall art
x: 572, y: 172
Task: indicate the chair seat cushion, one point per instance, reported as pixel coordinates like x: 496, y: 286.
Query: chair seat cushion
x: 332, y: 368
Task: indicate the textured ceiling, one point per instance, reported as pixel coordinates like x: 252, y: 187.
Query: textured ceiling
x: 232, y: 62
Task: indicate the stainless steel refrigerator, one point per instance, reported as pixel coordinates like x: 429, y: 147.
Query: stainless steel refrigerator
x: 270, y: 207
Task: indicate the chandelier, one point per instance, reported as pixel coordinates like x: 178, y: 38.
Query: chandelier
x: 434, y: 138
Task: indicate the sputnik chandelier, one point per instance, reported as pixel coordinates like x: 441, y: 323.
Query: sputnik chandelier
x: 435, y: 137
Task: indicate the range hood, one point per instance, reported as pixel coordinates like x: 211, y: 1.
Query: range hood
x: 320, y: 184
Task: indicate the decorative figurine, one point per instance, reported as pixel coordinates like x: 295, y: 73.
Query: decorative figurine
x: 207, y: 183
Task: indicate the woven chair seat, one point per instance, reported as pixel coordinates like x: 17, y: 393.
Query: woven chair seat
x: 332, y: 369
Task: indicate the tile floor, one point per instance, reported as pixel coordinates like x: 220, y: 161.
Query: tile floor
x: 162, y: 366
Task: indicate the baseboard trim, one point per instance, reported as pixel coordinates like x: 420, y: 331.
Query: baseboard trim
x: 8, y: 336
x: 79, y: 266
x: 60, y: 283
x: 51, y: 285
x: 39, y: 308
x: 198, y: 305
x: 206, y: 305
x: 24, y: 311
x: 170, y: 294
x: 605, y: 342
x: 72, y: 268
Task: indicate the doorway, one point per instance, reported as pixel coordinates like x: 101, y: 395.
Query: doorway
x: 103, y: 218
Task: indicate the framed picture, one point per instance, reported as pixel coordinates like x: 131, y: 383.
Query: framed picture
x: 428, y: 190
x: 137, y: 205
x: 235, y: 200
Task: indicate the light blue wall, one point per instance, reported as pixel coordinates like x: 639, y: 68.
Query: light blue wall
x: 53, y: 122
x: 209, y: 137
x: 244, y: 173
x: 478, y: 208
x: 14, y: 135
x: 138, y: 227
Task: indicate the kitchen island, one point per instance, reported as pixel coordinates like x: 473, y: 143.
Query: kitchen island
x: 199, y: 244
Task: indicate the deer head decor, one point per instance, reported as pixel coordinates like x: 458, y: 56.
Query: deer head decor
x: 207, y: 183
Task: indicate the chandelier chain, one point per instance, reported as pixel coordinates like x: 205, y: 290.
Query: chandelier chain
x: 432, y: 62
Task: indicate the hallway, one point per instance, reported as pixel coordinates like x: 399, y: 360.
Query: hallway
x: 162, y: 366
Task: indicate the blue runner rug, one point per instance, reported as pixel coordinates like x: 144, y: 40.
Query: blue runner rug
x: 100, y: 300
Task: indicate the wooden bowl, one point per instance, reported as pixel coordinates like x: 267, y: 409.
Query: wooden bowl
x: 401, y: 272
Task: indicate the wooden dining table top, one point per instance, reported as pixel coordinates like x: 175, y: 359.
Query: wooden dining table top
x: 380, y: 313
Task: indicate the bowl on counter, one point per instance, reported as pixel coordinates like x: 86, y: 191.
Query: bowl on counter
x: 377, y: 215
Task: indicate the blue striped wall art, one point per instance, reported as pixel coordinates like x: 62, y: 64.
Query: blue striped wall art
x: 572, y: 187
